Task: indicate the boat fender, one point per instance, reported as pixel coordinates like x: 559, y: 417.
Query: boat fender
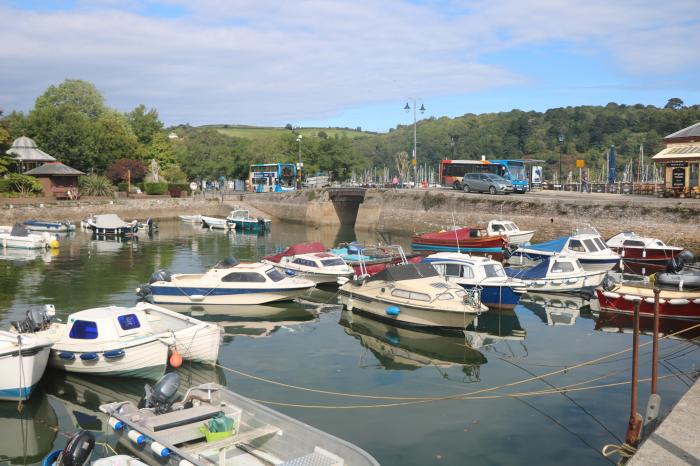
x: 291, y: 273
x: 611, y: 294
x: 89, y: 356
x: 160, y: 450
x: 66, y: 356
x: 631, y: 297
x: 175, y: 359
x: 678, y: 301
x: 53, y: 243
x: 115, y: 424
x: 136, y: 437
x: 114, y: 354
x: 392, y: 311
x: 696, y: 301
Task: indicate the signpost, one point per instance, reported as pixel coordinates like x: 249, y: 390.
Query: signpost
x: 580, y: 164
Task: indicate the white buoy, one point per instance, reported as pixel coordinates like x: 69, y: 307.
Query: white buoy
x: 115, y: 423
x: 136, y: 437
x: 160, y: 450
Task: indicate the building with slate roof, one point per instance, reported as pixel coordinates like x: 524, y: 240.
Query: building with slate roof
x: 58, y: 180
x: 27, y: 155
x: 681, y: 158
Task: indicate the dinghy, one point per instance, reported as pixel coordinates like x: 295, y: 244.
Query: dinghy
x: 23, y: 360
x: 118, y: 341
x: 213, y: 425
x: 214, y: 223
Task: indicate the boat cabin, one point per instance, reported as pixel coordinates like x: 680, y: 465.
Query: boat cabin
x: 629, y: 239
x: 555, y: 267
x: 239, y: 213
x: 314, y: 260
x: 498, y: 227
x: 107, y: 324
x: 456, y: 265
x: 231, y: 270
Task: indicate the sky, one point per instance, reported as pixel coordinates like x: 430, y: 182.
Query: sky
x: 350, y: 63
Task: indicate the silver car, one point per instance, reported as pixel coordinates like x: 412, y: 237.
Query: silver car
x: 486, y: 183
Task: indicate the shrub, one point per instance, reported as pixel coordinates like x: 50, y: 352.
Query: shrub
x: 122, y: 186
x: 119, y: 169
x: 25, y: 185
x: 433, y: 200
x: 174, y: 174
x: 96, y: 185
x: 176, y: 188
x: 156, y: 189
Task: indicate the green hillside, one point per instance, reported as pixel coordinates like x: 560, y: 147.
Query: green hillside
x: 256, y: 132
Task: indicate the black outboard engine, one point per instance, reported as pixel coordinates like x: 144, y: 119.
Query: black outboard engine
x: 687, y: 257
x: 608, y: 283
x: 160, y: 276
x: 78, y: 450
x: 38, y: 318
x: 163, y: 394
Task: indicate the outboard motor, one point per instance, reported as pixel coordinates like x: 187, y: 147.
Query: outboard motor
x: 608, y: 283
x: 143, y: 292
x: 162, y: 396
x: 38, y: 318
x: 77, y: 451
x: 160, y: 276
x: 686, y: 257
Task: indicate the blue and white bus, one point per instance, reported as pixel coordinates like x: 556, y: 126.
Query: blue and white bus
x: 452, y: 172
x: 277, y: 177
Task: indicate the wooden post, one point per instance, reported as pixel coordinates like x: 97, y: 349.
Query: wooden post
x: 128, y: 182
x: 634, y: 427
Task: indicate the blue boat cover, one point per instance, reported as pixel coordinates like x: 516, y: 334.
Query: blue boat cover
x: 556, y: 245
x: 538, y: 271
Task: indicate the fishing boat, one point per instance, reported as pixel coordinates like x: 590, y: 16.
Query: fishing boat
x: 413, y: 295
x: 558, y: 274
x: 214, y: 223
x: 18, y: 237
x: 468, y: 240
x: 52, y: 227
x: 634, y: 248
x: 241, y: 220
x: 118, y: 341
x: 515, y: 235
x: 211, y: 424
x: 312, y: 262
x: 585, y: 245
x: 191, y: 218
x: 228, y: 282
x: 23, y: 360
x: 370, y: 260
x: 479, y: 273
x: 111, y: 225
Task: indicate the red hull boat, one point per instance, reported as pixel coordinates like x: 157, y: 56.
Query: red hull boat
x: 632, y: 247
x: 459, y: 240
x: 375, y: 268
x: 615, y: 322
x: 672, y: 303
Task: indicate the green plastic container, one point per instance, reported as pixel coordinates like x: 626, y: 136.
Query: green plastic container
x: 214, y: 436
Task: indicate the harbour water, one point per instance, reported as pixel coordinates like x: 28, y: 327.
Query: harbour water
x: 313, y: 343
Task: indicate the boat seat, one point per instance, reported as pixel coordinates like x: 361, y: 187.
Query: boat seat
x: 182, y: 425
x: 319, y: 457
x: 243, y: 437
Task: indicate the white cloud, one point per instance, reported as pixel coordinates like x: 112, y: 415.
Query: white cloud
x: 272, y: 62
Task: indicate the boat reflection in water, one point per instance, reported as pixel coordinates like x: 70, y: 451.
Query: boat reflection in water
x: 250, y: 320
x: 493, y: 327
x: 26, y: 437
x: 556, y: 309
x: 26, y: 255
x: 401, y: 348
x: 615, y: 322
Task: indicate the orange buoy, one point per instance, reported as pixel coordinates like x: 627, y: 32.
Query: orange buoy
x: 175, y: 359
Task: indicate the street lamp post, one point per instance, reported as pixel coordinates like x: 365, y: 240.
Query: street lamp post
x: 299, y: 164
x: 415, y: 161
x: 561, y: 151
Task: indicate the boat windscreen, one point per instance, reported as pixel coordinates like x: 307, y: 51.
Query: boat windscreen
x: 227, y: 263
x: 405, y: 272
x: 19, y: 230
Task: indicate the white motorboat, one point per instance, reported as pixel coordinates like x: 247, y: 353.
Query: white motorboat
x: 214, y: 223
x: 120, y: 341
x: 515, y: 235
x: 414, y: 295
x: 23, y: 360
x: 485, y: 275
x: 241, y: 220
x: 585, y: 245
x: 20, y: 238
x: 55, y: 227
x: 111, y: 225
x: 213, y: 425
x: 228, y: 282
x: 312, y: 262
x: 191, y: 218
x: 558, y: 274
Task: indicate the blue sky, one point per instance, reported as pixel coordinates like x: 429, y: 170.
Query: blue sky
x: 350, y: 63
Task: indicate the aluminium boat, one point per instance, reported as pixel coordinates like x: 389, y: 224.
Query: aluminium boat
x: 413, y: 295
x: 23, y: 359
x: 228, y: 282
x: 515, y: 235
x: 312, y: 262
x: 211, y: 424
x: 558, y: 274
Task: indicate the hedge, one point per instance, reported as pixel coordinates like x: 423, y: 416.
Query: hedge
x: 156, y: 188
x: 175, y: 189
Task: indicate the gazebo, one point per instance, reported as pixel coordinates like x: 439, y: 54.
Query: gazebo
x: 58, y: 180
x: 27, y: 154
x: 681, y: 158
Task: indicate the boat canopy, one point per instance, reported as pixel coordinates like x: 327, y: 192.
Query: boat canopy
x: 555, y: 245
x: 408, y: 271
x: 19, y: 230
x: 538, y: 271
x: 109, y: 221
x: 295, y: 250
x: 458, y: 234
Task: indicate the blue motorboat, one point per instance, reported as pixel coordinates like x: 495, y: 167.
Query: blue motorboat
x: 480, y: 273
x: 54, y: 227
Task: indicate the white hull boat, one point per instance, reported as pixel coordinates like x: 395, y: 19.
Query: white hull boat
x: 132, y: 342
x: 214, y: 223
x: 23, y: 360
x: 18, y: 237
x: 52, y: 227
x: 229, y: 282
x: 111, y: 225
x: 559, y: 274
x: 248, y: 433
x: 311, y: 261
x: 506, y: 228
x: 191, y: 218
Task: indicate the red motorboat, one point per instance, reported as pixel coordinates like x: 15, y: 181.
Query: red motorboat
x: 468, y: 240
x: 634, y: 248
x: 673, y: 303
x: 614, y: 322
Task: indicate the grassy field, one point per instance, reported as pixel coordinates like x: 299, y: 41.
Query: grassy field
x: 254, y: 132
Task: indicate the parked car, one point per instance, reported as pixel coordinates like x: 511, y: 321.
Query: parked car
x: 486, y: 182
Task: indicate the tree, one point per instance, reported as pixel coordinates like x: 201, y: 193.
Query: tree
x: 674, y: 103
x: 288, y: 126
x: 119, y: 170
x: 161, y: 149
x: 112, y: 139
x: 81, y: 96
x: 174, y: 174
x: 322, y: 134
x: 145, y: 124
x: 22, y: 184
x: 5, y: 140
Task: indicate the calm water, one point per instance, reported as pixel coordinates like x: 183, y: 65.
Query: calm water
x: 314, y: 343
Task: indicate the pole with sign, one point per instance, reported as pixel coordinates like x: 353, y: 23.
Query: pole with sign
x: 580, y: 163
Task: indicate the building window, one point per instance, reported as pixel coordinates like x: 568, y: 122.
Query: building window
x: 694, y: 174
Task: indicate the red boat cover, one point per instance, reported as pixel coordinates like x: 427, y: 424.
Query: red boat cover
x: 303, y: 248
